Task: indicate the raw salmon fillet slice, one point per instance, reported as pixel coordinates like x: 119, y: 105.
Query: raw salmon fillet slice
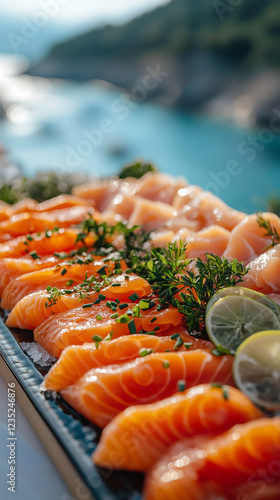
x: 76, y: 360
x: 11, y: 268
x: 213, y: 239
x: 77, y: 326
x: 248, y: 240
x: 61, y: 241
x: 31, y: 310
x: 231, y: 466
x: 56, y: 276
x: 264, y: 272
x: 102, y: 393
x: 25, y: 223
x: 203, y: 209
x: 138, y: 436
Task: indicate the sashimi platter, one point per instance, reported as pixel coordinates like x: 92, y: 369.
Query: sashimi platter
x: 147, y: 314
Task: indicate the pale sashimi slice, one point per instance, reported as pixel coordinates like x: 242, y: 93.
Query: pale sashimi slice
x: 248, y: 240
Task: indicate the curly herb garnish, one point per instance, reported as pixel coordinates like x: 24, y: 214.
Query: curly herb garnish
x: 185, y: 287
x: 270, y: 231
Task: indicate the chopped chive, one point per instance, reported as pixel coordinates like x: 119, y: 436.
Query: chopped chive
x: 114, y: 303
x: 225, y: 392
x: 123, y: 306
x: 156, y: 328
x: 175, y: 336
x: 99, y: 317
x: 188, y: 345
x: 126, y: 277
x: 116, y: 284
x: 167, y: 350
x: 128, y: 271
x: 151, y: 304
x: 117, y: 301
x: 165, y: 364
x: 143, y: 305
x: 132, y: 327
x: 129, y: 312
x: 134, y: 297
x: 220, y: 351
x: 34, y: 255
x: 114, y: 316
x: 46, y: 304
x: 181, y: 385
x: 64, y: 271
x: 97, y: 338
x: 152, y: 332
x: 144, y: 352
x: 179, y: 342
x: 109, y: 336
x: 68, y: 292
x: 101, y: 296
x: 97, y: 301
x: 159, y: 307
x: 88, y: 305
x: 69, y: 282
x: 29, y: 238
x: 154, y: 319
x: 108, y: 303
x: 216, y: 384
x: 102, y: 270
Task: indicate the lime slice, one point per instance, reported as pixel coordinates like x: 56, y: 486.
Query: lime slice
x: 244, y: 292
x: 256, y: 369
x: 233, y: 319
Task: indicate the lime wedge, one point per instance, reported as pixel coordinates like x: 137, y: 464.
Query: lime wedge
x: 233, y: 319
x: 244, y: 292
x: 256, y: 369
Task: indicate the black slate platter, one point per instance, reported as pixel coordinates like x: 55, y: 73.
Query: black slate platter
x: 68, y: 438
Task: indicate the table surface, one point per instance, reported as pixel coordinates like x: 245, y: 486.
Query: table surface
x: 36, y: 475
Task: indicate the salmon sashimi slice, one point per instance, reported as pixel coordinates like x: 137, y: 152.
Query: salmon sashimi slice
x: 77, y: 326
x: 25, y: 223
x: 248, y: 240
x: 151, y: 429
x: 12, y: 268
x: 4, y: 210
x: 102, y: 393
x: 60, y: 241
x: 149, y: 214
x: 101, y: 191
x: 76, y: 360
x: 56, y: 276
x: 63, y: 201
x: 264, y: 272
x: 227, y: 467
x: 213, y: 239
x: 157, y: 186
x: 31, y: 310
x: 203, y: 209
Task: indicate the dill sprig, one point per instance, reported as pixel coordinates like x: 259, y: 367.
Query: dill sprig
x: 270, y: 231
x: 213, y: 274
x: 189, y: 288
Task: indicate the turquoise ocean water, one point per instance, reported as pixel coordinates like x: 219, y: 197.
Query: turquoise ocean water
x: 70, y: 127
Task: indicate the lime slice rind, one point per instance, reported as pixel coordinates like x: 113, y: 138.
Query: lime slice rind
x: 234, y: 318
x: 256, y: 369
x: 244, y: 292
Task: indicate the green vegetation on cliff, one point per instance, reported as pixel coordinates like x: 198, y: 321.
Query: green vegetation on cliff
x: 247, y: 33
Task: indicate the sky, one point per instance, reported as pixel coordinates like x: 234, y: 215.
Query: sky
x: 77, y: 11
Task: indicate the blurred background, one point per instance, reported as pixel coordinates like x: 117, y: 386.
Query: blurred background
x: 193, y: 86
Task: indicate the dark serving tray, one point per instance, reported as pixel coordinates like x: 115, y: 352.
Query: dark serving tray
x: 68, y: 438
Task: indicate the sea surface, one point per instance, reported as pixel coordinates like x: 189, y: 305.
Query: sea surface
x: 96, y: 128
